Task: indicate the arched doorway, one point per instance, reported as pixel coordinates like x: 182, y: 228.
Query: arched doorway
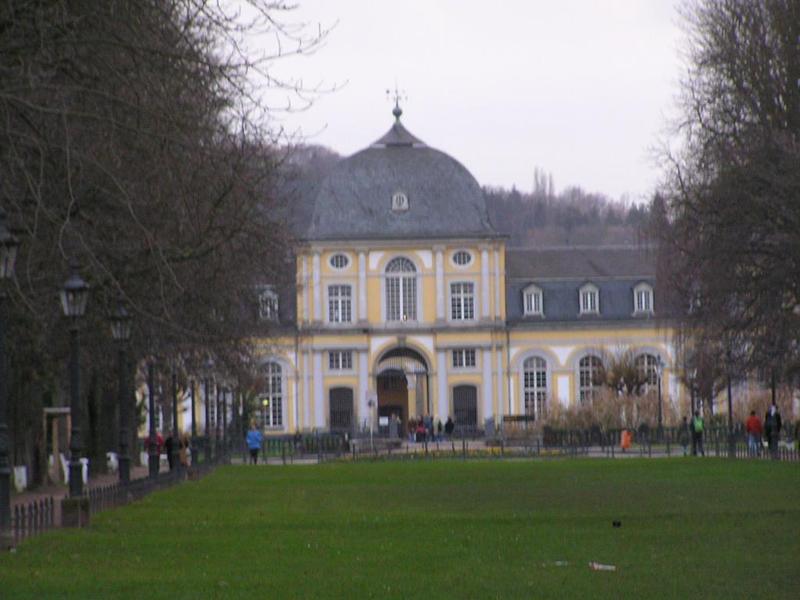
x: 402, y: 384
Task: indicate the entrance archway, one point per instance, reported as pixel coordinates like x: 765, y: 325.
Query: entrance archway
x: 402, y: 384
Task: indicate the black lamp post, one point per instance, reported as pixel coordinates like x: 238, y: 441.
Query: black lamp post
x: 731, y: 442
x: 660, y: 372
x: 194, y: 420
x: 8, y: 256
x: 206, y: 415
x: 225, y: 440
x: 121, y: 332
x: 217, y: 445
x: 173, y: 450
x: 153, y: 457
x: 73, y: 303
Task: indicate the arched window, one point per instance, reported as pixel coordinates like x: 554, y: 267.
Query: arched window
x: 401, y: 290
x: 271, y: 396
x: 534, y: 371
x: 647, y: 370
x: 589, y: 371
x: 643, y: 298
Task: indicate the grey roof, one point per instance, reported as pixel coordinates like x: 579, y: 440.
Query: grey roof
x: 561, y: 272
x: 354, y: 200
x: 581, y: 262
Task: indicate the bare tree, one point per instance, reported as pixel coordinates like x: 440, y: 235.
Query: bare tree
x: 728, y: 217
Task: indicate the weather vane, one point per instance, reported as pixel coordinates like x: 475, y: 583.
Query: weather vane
x: 396, y: 96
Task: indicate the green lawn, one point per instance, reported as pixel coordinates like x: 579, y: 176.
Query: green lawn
x: 482, y: 529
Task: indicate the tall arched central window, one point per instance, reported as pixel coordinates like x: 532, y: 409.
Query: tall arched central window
x: 401, y: 290
x: 589, y: 371
x: 271, y: 396
x: 535, y: 386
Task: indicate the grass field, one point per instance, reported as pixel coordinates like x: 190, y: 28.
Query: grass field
x: 690, y: 529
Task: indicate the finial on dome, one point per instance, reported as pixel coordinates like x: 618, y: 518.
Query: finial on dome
x: 396, y: 111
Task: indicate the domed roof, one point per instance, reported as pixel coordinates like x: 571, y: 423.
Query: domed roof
x: 399, y: 188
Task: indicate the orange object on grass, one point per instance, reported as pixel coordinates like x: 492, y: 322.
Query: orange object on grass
x: 625, y: 442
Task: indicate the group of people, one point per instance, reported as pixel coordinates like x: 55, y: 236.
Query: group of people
x: 769, y: 430
x: 168, y: 447
x: 423, y: 430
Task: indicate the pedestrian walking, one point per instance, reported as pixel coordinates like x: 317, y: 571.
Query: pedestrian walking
x: 683, y: 436
x: 754, y: 430
x: 254, y: 439
x: 772, y: 429
x: 697, y: 427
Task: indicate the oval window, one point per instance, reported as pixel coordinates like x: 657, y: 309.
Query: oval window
x: 462, y: 257
x: 339, y: 261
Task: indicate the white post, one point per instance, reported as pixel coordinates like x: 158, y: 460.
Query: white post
x: 484, y: 282
x: 439, y: 283
x: 362, y: 285
x: 315, y: 268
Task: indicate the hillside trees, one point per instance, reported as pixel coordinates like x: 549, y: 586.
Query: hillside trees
x: 134, y: 142
x: 730, y: 225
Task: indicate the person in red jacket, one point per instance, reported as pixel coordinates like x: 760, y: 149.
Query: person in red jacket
x: 754, y: 431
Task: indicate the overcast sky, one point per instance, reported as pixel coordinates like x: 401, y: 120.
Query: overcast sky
x: 579, y: 88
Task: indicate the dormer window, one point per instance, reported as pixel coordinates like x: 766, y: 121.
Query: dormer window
x: 532, y: 297
x: 589, y: 299
x: 643, y: 299
x: 267, y: 304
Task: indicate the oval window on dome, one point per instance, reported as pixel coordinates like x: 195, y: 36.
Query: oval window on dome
x: 339, y: 261
x: 462, y: 258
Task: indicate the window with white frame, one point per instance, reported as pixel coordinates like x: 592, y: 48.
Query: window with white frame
x: 340, y: 302
x: 462, y: 301
x: 534, y: 371
x: 401, y: 290
x: 463, y: 358
x: 340, y: 360
x: 267, y: 304
x: 339, y: 261
x: 643, y: 298
x: 533, y: 304
x: 590, y: 371
x: 589, y: 299
x: 271, y: 396
x: 647, y: 370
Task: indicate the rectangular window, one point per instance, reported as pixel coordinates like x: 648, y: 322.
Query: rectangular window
x: 643, y: 302
x: 588, y: 301
x: 533, y: 303
x: 267, y: 304
x: 340, y: 301
x: 340, y: 360
x: 463, y: 358
x: 462, y: 301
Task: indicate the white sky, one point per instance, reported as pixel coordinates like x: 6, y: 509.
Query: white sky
x: 579, y: 88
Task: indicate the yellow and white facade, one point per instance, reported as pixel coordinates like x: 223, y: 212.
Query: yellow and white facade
x: 408, y: 303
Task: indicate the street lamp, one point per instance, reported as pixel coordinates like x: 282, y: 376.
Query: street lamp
x: 153, y: 456
x: 73, y: 303
x: 173, y: 450
x: 8, y: 256
x: 121, y: 332
x: 206, y: 420
x: 731, y: 442
x: 660, y: 372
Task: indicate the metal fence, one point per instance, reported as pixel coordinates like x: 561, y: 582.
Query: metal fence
x: 32, y: 518
x: 41, y: 515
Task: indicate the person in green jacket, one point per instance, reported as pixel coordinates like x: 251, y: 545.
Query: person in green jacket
x: 697, y: 426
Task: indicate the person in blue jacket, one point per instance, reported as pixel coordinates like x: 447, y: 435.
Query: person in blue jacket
x: 254, y: 439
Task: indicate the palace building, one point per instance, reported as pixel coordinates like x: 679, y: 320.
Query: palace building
x: 407, y: 302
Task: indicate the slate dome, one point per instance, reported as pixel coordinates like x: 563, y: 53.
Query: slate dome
x: 399, y: 187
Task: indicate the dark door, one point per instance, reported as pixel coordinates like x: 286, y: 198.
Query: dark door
x: 392, y: 400
x: 341, y: 409
x: 465, y: 407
